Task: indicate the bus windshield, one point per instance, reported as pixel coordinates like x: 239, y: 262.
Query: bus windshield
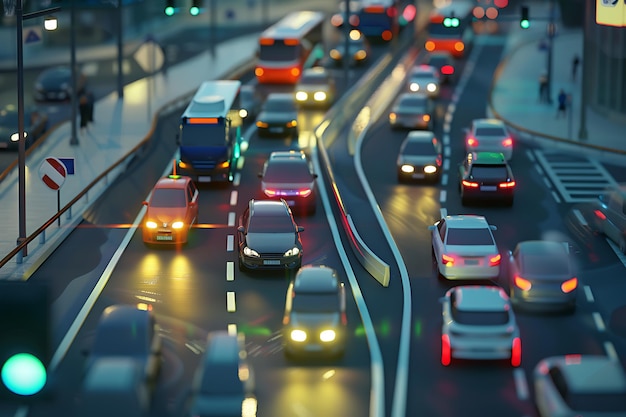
x: 279, y: 52
x: 203, y: 135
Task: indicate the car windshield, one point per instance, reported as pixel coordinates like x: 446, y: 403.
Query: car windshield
x: 422, y: 74
x: 489, y: 172
x: 481, y: 236
x: 597, y: 402
x: 279, y: 105
x: 490, y: 131
x: 314, y: 79
x: 168, y: 197
x: 260, y: 223
x: 221, y: 379
x: 419, y: 148
x: 287, y: 172
x: 319, y: 302
x: 412, y: 102
x: 480, y: 318
x: 539, y: 265
x: 120, y: 340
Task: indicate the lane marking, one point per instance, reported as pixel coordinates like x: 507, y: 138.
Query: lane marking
x: 231, y: 307
x: 237, y: 179
x: 446, y: 164
x: 597, y: 318
x: 230, y: 243
x: 521, y: 384
x: 232, y: 329
x: 442, y: 196
x: 580, y: 217
x: 233, y: 198
x: 230, y: 271
x: 588, y: 293
x: 231, y: 219
x: 610, y: 351
x: 444, y: 179
x: 446, y: 151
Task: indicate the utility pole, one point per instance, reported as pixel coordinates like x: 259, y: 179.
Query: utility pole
x: 582, y: 133
x: 551, y: 29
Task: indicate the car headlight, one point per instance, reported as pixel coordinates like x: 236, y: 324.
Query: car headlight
x: 15, y: 137
x: 392, y: 117
x: 430, y: 169
x: 319, y: 96
x: 261, y: 124
x: 243, y: 113
x: 178, y: 225
x: 360, y: 55
x: 431, y: 87
x: 292, y: 252
x: 328, y: 335
x: 250, y: 252
x: 297, y: 335
x: 301, y: 96
x: 151, y: 225
x: 414, y: 87
x: 335, y: 54
x: 292, y: 123
x: 407, y: 168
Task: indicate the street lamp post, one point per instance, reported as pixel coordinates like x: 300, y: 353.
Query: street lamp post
x: 551, y: 29
x: 582, y: 133
x: 73, y: 103
x: 21, y: 144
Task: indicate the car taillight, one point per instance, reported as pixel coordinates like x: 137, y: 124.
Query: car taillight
x: 270, y: 193
x: 522, y: 283
x: 569, y: 285
x: 471, y: 141
x: 470, y: 184
x: 304, y: 192
x: 446, y: 355
x: 507, y: 142
x: 495, y: 260
x: 516, y: 352
x: 426, y: 117
x: 508, y: 184
x: 447, y: 260
x: 599, y: 214
x: 447, y: 70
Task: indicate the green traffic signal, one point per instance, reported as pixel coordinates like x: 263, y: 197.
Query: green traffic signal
x: 194, y: 11
x: 524, y: 20
x: 524, y: 24
x: 169, y: 10
x: 24, y: 374
x: 451, y: 22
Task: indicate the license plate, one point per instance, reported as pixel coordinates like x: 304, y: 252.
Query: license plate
x: 471, y: 262
x: 276, y: 129
x: 204, y: 178
x: 271, y: 262
x: 418, y: 175
x: 164, y: 238
x: 488, y: 188
x: 291, y: 202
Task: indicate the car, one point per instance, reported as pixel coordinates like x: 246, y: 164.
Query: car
x: 580, y: 385
x: 486, y: 176
x: 315, y: 318
x: 489, y: 135
x: 338, y: 18
x: 35, y: 125
x: 359, y: 49
x: 413, y: 111
x: 269, y: 237
x: 224, y: 383
x: 420, y: 157
x: 445, y: 64
x: 424, y: 79
x: 128, y: 331
x: 464, y: 247
x: 608, y: 215
x: 55, y: 84
x: 290, y: 175
x: 278, y: 116
x: 479, y: 323
x: 316, y: 88
x: 171, y: 210
x: 542, y: 276
x: 250, y: 103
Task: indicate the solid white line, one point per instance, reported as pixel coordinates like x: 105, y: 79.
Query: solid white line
x: 231, y: 219
x: 442, y: 196
x: 588, y: 293
x: 230, y: 243
x: 597, y: 318
x: 232, y: 329
x: 521, y: 384
x: 231, y: 307
x: 610, y: 351
x: 233, y: 198
x: 230, y: 271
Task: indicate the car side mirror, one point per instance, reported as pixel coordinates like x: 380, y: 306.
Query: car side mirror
x: 241, y: 229
x: 493, y: 227
x: 300, y: 229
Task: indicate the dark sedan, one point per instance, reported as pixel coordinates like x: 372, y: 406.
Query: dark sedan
x: 486, y: 176
x: 55, y: 84
x: 35, y: 125
x: 269, y: 237
x: 412, y: 111
x: 420, y: 157
x: 279, y: 116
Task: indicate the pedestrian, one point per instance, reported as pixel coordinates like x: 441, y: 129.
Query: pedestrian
x: 575, y: 63
x: 83, y: 109
x: 90, y: 104
x: 543, y: 87
x: 562, y: 107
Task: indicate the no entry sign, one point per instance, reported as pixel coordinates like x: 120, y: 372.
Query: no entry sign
x: 53, y: 172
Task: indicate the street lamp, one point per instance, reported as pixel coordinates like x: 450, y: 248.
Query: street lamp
x: 582, y: 132
x: 21, y: 148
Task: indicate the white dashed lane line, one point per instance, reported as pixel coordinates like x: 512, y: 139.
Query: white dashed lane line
x: 230, y: 271
x: 597, y: 318
x: 231, y: 307
x: 230, y: 243
x: 521, y: 384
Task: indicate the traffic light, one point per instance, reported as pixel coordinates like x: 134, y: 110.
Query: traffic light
x: 194, y: 10
x: 524, y: 21
x: 25, y: 342
x: 170, y: 7
x: 451, y: 21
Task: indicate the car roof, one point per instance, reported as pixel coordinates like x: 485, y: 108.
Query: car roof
x: 488, y: 123
x: 486, y: 158
x: 113, y: 374
x: 411, y: 96
x: 316, y: 279
x: 123, y: 315
x: 223, y: 347
x: 420, y: 136
x: 591, y: 373
x: 543, y: 247
x: 466, y: 221
x: 172, y: 182
x: 481, y: 298
x: 298, y: 155
x: 271, y: 207
x: 280, y: 97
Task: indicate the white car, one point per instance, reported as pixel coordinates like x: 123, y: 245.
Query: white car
x: 580, y: 385
x: 464, y: 247
x: 316, y: 88
x: 479, y: 323
x: 489, y: 135
x: 424, y: 79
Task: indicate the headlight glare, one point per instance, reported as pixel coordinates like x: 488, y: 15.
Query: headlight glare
x: 328, y: 336
x: 298, y: 335
x: 292, y: 252
x: 178, y: 224
x: 151, y: 225
x: 250, y: 252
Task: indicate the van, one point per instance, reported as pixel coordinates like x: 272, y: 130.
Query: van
x: 114, y: 386
x: 224, y: 382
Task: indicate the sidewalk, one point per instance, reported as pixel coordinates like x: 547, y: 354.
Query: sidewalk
x: 515, y: 94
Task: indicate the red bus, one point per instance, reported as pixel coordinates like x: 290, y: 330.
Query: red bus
x: 450, y: 28
x: 288, y: 46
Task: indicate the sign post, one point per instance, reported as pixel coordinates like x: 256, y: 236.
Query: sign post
x: 53, y: 172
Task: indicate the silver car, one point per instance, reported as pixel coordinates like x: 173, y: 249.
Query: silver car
x: 542, y: 275
x: 420, y: 157
x: 424, y: 79
x: 479, y: 323
x: 489, y: 135
x: 580, y: 386
x: 413, y: 111
x: 608, y: 216
x: 316, y: 88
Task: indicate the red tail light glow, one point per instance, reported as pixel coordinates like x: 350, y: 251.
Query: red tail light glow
x: 508, y: 142
x: 305, y: 192
x: 508, y: 184
x: 469, y: 184
x: 446, y: 354
x: 471, y: 141
x: 447, y: 70
x: 447, y: 260
x: 569, y: 285
x: 522, y: 283
x: 270, y: 193
x: 516, y: 352
x: 495, y: 260
x: 599, y: 214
